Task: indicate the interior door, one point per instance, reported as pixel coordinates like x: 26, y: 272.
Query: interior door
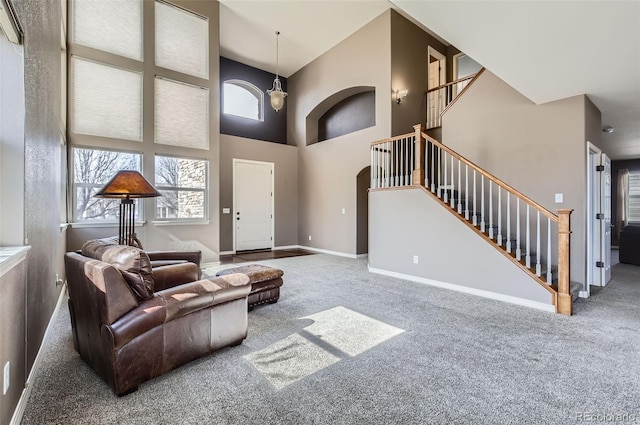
x: 436, y: 76
x: 605, y: 209
x: 253, y: 204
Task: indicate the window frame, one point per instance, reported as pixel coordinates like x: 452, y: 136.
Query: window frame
x: 76, y: 185
x: 633, y: 175
x: 157, y: 218
x: 252, y: 89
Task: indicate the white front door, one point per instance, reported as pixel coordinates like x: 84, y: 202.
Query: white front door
x: 605, y: 210
x: 252, y: 204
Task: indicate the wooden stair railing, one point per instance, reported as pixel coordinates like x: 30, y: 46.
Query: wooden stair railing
x: 523, y: 230
x: 439, y: 99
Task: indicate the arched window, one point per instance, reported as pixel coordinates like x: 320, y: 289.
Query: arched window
x: 242, y: 99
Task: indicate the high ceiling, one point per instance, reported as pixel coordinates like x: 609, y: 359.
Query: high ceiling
x: 546, y: 50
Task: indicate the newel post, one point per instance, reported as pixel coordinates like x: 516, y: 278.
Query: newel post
x: 564, y: 304
x: 418, y: 169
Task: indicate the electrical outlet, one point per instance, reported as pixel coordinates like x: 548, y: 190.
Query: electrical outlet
x: 344, y: 211
x: 415, y: 259
x: 7, y: 376
x: 59, y: 281
x: 309, y: 237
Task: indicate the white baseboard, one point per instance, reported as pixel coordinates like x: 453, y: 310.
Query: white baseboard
x: 276, y: 248
x: 26, y: 392
x: 326, y: 251
x: 227, y: 252
x: 465, y: 289
x: 583, y: 294
x: 362, y: 255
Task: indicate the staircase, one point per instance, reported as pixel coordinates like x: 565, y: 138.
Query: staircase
x: 532, y: 237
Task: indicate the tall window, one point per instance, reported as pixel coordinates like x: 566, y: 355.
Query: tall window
x: 92, y: 169
x: 108, y: 69
x: 242, y: 99
x: 184, y: 186
x: 634, y: 197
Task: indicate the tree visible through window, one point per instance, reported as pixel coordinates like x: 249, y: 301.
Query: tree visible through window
x: 92, y: 169
x: 242, y: 99
x: 183, y: 184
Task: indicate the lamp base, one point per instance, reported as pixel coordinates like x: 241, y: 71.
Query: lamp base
x: 126, y: 233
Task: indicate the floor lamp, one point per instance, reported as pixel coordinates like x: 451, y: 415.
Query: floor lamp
x: 127, y: 185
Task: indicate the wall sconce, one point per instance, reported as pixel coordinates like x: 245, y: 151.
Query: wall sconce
x: 400, y: 95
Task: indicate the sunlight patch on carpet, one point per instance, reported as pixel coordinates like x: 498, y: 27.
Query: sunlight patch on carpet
x: 296, y: 357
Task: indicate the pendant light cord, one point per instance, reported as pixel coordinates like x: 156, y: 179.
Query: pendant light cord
x: 277, y: 54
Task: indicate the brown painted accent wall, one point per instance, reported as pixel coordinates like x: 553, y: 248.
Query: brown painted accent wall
x: 285, y: 159
x: 540, y: 150
x: 328, y: 170
x: 409, y: 63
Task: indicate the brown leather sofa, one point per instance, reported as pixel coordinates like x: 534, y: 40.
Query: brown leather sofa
x: 132, y: 322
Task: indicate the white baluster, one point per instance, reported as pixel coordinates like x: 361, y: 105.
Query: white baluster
x: 509, y: 222
x: 549, y: 274
x: 490, y: 209
x: 528, y: 245
x: 482, y: 224
x: 499, y: 216
x: 446, y: 194
x: 433, y: 168
x: 459, y: 187
x: 394, y: 163
x: 371, y: 182
x: 439, y: 184
x: 518, y: 250
x: 411, y: 161
x: 538, y: 254
x: 475, y: 210
x: 453, y: 186
x: 466, y: 191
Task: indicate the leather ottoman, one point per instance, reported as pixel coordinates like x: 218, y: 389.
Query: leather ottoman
x: 265, y: 283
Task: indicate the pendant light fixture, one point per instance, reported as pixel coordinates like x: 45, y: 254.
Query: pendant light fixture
x: 276, y: 93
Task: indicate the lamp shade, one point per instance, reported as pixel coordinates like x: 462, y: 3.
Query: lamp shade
x: 128, y: 184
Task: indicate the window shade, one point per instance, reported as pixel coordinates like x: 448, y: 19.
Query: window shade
x: 634, y: 197
x: 182, y: 40
x: 181, y: 114
x: 113, y: 26
x: 107, y: 101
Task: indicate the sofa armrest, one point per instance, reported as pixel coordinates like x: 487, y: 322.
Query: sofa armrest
x: 174, y: 275
x: 146, y: 316
x: 194, y: 257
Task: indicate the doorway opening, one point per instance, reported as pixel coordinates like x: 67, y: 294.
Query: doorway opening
x: 363, y: 182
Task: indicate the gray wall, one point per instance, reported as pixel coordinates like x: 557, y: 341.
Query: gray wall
x: 205, y: 237
x: 12, y: 335
x: 539, y: 150
x: 328, y: 170
x: 406, y: 223
x: 285, y: 159
x: 409, y: 62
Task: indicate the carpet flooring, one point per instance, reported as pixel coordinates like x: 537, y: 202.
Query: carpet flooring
x: 432, y: 356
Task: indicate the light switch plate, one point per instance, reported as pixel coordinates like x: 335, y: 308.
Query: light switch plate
x: 559, y: 198
x: 226, y: 211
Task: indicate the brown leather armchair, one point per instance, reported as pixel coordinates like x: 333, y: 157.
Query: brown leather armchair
x: 132, y: 322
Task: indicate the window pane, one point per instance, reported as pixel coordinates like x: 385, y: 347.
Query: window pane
x: 107, y: 101
x: 181, y: 114
x: 180, y: 172
x: 181, y: 204
x: 634, y: 197
x: 90, y: 208
x: 242, y: 101
x: 93, y: 168
x: 114, y: 26
x: 182, y: 41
